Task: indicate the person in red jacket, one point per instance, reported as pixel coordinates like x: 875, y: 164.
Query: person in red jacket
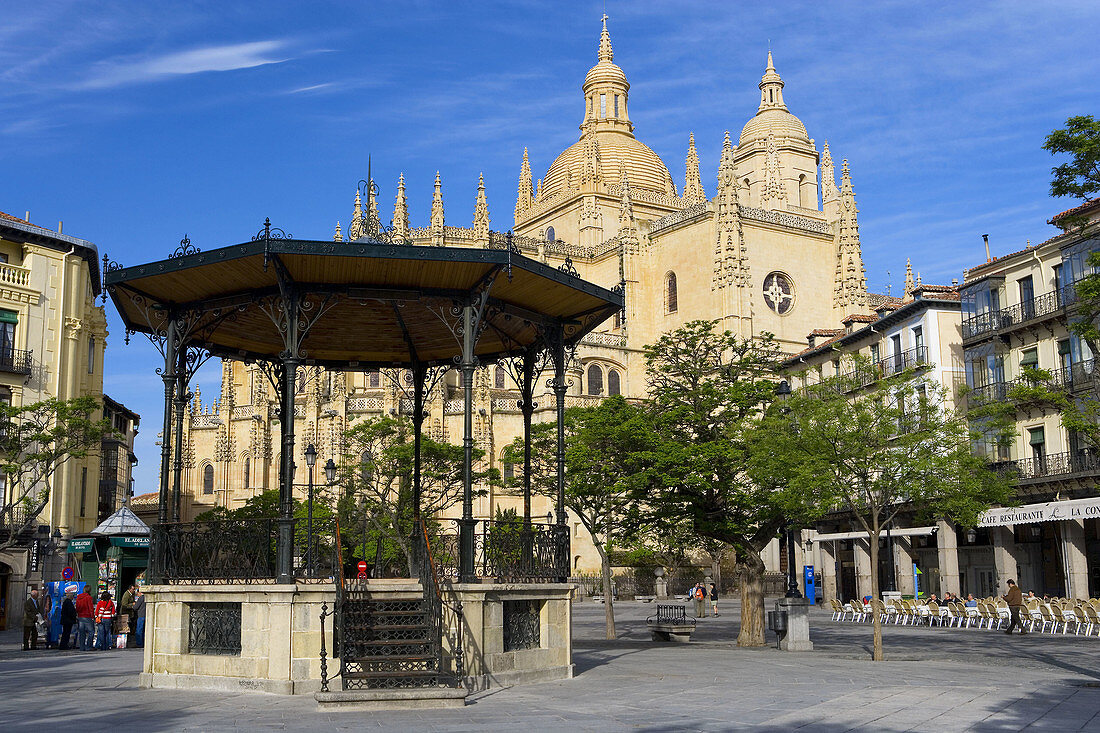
x: 104, y: 617
x: 85, y: 625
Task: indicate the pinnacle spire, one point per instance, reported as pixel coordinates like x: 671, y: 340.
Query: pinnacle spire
x: 850, y: 286
x: 626, y: 206
x: 771, y: 88
x: 525, y: 195
x: 829, y: 190
x: 400, y: 221
x: 338, y: 236
x: 436, y: 227
x: 693, y: 184
x: 481, y: 212
x: 605, y: 53
x: 908, y: 276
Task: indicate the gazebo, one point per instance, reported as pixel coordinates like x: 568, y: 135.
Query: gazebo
x: 367, y: 304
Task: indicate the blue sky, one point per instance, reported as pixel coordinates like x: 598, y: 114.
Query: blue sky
x: 137, y: 122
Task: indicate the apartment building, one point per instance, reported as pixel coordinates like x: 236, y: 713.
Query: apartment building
x: 52, y: 337
x: 1017, y: 310
x: 921, y: 332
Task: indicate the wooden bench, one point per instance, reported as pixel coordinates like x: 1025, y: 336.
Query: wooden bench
x: 671, y: 623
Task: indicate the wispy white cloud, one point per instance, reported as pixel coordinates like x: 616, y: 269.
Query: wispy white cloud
x: 133, y: 70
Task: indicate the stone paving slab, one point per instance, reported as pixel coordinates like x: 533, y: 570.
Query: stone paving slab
x: 938, y: 680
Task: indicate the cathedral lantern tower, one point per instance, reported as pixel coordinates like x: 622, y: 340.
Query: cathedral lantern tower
x: 776, y: 159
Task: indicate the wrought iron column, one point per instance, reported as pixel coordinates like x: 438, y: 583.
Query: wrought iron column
x: 558, y: 347
x: 284, y: 560
x: 792, y: 577
x: 169, y: 378
x: 420, y: 374
x: 466, y: 524
x: 178, y: 404
x: 527, y: 408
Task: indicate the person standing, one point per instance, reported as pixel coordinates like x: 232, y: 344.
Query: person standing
x: 714, y: 599
x: 68, y: 618
x: 32, y: 614
x: 699, y: 593
x: 1015, y: 600
x: 85, y: 611
x: 104, y: 615
x: 139, y: 619
x: 126, y: 611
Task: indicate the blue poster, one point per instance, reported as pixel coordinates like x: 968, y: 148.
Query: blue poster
x: 56, y: 593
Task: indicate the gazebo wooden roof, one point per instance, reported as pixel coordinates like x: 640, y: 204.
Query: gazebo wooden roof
x: 374, y: 304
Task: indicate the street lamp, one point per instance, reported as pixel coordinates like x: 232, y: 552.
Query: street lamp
x: 311, y: 461
x: 550, y: 517
x: 782, y: 392
x: 330, y: 472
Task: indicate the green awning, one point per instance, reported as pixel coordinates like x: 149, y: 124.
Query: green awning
x: 80, y: 544
x: 7, y: 316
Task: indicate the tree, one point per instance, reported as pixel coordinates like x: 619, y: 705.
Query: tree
x: 1080, y: 139
x: 376, y: 474
x: 35, y: 442
x: 708, y: 391
x: 604, y: 446
x: 876, y: 452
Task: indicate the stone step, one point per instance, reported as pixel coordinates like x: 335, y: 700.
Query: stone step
x: 416, y: 698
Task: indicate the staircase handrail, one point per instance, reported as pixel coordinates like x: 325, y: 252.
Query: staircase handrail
x: 456, y: 607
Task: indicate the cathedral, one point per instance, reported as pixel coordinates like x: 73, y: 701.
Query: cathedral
x: 775, y: 250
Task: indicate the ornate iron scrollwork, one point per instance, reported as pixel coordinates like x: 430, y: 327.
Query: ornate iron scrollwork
x: 214, y: 628
x: 568, y: 269
x: 185, y: 248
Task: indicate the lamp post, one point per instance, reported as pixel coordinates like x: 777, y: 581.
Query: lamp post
x: 782, y: 392
x: 311, y: 461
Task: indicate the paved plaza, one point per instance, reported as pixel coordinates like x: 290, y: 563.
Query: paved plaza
x: 936, y: 680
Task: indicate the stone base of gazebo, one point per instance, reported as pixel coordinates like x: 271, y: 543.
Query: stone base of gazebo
x: 267, y: 638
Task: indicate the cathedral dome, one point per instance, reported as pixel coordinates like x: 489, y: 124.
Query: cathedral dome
x: 772, y: 117
x: 606, y: 72
x: 780, y: 123
x: 617, y: 150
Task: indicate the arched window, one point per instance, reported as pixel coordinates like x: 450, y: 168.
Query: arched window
x: 595, y: 380
x: 499, y: 377
x: 208, y: 479
x: 613, y: 386
x: 247, y: 471
x: 550, y: 234
x: 374, y: 379
x: 801, y: 183
x: 670, y: 293
x: 507, y: 470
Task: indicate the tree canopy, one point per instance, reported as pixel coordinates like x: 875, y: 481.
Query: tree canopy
x: 1080, y: 139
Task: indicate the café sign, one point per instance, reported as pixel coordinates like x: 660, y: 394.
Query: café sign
x: 1051, y: 511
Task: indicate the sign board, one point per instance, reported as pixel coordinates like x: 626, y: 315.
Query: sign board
x: 1051, y: 511
x: 130, y: 541
x: 81, y: 544
x: 362, y: 569
x: 67, y: 574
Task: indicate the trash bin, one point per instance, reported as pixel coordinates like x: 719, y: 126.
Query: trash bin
x: 777, y: 621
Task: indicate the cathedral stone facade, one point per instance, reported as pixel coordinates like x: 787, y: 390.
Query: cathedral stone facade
x: 775, y: 250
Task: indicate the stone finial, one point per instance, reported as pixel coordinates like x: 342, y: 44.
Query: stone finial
x: 400, y: 221
x: 605, y: 53
x: 693, y: 183
x: 829, y: 191
x: 626, y: 206
x: 338, y: 236
x: 908, y: 276
x: 436, y: 227
x: 481, y: 213
x: 775, y: 193
x: 357, y: 212
x: 524, y: 195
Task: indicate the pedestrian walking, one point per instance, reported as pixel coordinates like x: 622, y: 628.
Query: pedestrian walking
x: 139, y: 619
x: 699, y: 593
x: 104, y: 616
x: 32, y: 617
x: 1015, y: 600
x: 85, y: 613
x: 68, y: 618
x: 714, y: 599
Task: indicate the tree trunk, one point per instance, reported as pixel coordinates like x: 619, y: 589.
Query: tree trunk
x: 752, y: 600
x: 608, y: 601
x: 876, y: 619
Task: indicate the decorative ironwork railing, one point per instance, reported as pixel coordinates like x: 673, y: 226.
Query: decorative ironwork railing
x: 1041, y: 306
x: 1073, y: 378
x: 886, y: 367
x: 1053, y: 464
x: 241, y: 551
x: 15, y: 520
x: 16, y: 361
x: 508, y: 552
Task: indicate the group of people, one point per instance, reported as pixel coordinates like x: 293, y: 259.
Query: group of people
x: 699, y: 594
x: 98, y: 624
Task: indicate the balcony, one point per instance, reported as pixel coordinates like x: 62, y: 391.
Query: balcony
x: 1073, y: 378
x: 1051, y: 466
x: 15, y: 361
x: 887, y: 367
x: 1029, y: 312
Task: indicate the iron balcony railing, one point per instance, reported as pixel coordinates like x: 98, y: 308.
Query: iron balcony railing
x: 1053, y: 464
x: 509, y: 552
x: 240, y: 551
x: 885, y: 367
x: 15, y: 361
x: 1072, y: 378
x: 1006, y: 319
